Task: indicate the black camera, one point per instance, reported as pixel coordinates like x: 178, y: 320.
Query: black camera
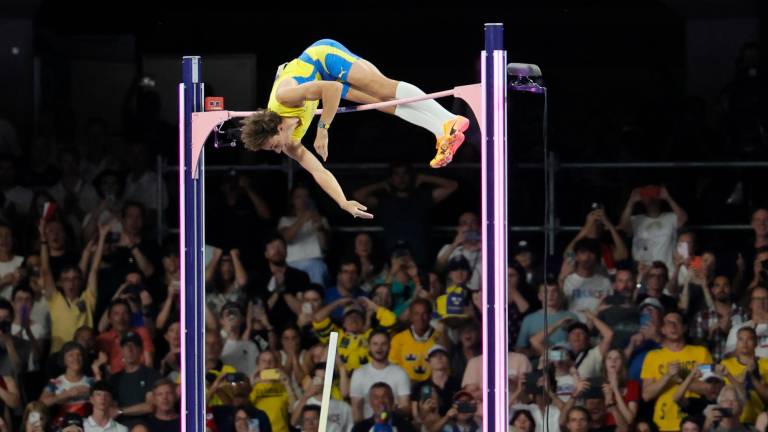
x: 5, y: 327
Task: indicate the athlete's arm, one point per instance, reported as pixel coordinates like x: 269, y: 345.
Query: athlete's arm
x: 328, y: 91
x: 326, y: 180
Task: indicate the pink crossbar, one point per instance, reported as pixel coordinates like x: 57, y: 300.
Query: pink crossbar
x: 204, y: 122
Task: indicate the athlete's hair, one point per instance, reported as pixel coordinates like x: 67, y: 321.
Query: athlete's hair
x: 258, y: 128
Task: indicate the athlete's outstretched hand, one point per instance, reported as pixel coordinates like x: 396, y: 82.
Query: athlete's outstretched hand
x: 321, y: 143
x: 356, y: 209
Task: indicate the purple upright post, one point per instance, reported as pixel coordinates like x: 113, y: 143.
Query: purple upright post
x: 494, y: 203
x: 191, y: 255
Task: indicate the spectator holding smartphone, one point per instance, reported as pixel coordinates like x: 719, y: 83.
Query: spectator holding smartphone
x: 725, y: 415
x: 654, y: 233
x: 440, y: 382
x: 749, y: 370
x: 306, y: 233
x: 339, y: 412
x: 461, y: 416
x: 226, y: 277
x: 665, y: 369
x: 272, y: 391
x: 611, y: 252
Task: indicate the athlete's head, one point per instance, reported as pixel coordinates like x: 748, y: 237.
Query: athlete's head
x: 264, y: 130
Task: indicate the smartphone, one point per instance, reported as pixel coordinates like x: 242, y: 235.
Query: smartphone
x: 236, y: 377
x: 306, y: 308
x: 466, y: 407
x: 210, y: 377
x: 253, y: 425
x: 725, y: 412
x: 532, y: 382
x: 697, y: 263
x: 682, y: 250
x: 556, y: 355
x: 426, y: 392
x: 645, y: 318
x: 270, y: 375
x: 33, y: 419
x: 705, y: 368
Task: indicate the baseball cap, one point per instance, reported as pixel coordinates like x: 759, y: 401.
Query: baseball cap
x: 435, y: 349
x: 131, y: 337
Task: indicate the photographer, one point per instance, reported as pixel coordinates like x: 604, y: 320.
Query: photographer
x: 225, y: 279
x: 595, y: 226
x: 306, y: 232
x: 467, y: 244
x: 119, y: 314
x: 665, y: 369
x: 725, y: 415
x: 460, y: 417
x: 403, y: 278
x: 135, y: 294
x: 654, y: 232
x: 272, y: 391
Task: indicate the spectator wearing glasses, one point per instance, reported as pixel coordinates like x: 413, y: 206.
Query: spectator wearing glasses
x: 758, y: 308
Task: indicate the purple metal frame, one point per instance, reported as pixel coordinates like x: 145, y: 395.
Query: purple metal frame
x: 490, y: 108
x: 191, y: 254
x: 494, y: 214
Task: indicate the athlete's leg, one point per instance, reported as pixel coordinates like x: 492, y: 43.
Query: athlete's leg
x: 448, y: 128
x: 357, y: 96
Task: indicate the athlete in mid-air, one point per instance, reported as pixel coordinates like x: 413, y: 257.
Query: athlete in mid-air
x: 328, y: 72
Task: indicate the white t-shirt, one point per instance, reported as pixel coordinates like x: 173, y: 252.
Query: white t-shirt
x: 551, y: 411
x: 654, y: 239
x: 762, y: 338
x: 564, y: 385
x: 592, y: 364
x: 111, y: 426
x: 586, y: 293
x: 306, y: 243
x: 38, y: 332
x: 242, y: 355
x: 475, y: 263
x: 364, y: 377
x: 9, y: 267
x: 339, y: 414
x: 40, y: 314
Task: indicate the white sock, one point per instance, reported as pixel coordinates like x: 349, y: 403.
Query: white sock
x: 427, y: 114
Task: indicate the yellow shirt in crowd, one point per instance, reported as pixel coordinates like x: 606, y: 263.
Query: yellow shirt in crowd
x: 666, y: 413
x: 410, y: 353
x: 352, y: 348
x: 754, y: 405
x: 272, y: 398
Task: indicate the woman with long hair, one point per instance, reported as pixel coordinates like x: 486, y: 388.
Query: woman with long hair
x: 624, y: 392
x: 226, y: 275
